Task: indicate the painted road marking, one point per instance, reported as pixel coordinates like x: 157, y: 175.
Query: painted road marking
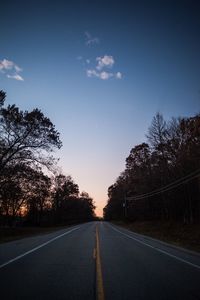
x: 99, y: 277
x: 157, y: 249
x: 36, y: 248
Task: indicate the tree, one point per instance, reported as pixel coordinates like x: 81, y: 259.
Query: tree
x: 116, y: 195
x: 173, y: 154
x: 2, y: 98
x: 87, y: 206
x: 157, y: 132
x: 26, y: 137
x: 64, y: 189
x: 21, y: 186
x: 38, y: 201
x: 27, y: 140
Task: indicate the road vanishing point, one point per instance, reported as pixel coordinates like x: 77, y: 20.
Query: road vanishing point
x: 97, y: 260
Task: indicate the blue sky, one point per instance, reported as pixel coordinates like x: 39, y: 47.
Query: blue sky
x: 101, y: 70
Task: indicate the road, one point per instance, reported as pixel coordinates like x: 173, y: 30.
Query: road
x: 97, y: 260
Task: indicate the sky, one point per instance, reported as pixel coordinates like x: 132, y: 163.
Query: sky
x: 100, y: 70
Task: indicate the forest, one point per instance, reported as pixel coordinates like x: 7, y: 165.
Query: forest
x: 32, y: 190
x: 161, y: 180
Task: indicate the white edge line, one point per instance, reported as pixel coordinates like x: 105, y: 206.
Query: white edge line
x: 36, y: 248
x: 157, y: 249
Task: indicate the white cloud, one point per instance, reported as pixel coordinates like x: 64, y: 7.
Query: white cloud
x: 92, y: 73
x: 118, y: 75
x: 101, y: 69
x: 101, y: 75
x: 105, y: 75
x: 88, y: 61
x: 7, y: 65
x: 16, y: 76
x: 90, y: 40
x: 17, y: 69
x: 105, y: 61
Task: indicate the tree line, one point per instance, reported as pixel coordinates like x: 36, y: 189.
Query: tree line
x: 28, y: 194
x: 161, y: 180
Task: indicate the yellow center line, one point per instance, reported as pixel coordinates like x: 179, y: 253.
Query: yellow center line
x: 99, y: 277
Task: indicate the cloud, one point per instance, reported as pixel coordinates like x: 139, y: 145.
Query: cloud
x: 100, y: 71
x: 105, y: 75
x: 92, y: 73
x: 105, y: 61
x: 7, y: 66
x: 16, y: 77
x: 89, y: 40
x: 101, y: 75
x: 17, y: 69
x: 118, y: 75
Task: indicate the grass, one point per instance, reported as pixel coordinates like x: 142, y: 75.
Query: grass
x: 186, y: 236
x: 10, y: 234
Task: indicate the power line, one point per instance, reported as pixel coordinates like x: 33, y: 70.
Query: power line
x: 168, y: 187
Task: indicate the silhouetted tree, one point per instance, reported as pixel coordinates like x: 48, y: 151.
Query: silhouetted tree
x: 25, y: 136
x: 38, y: 201
x: 64, y: 189
x: 87, y: 207
x: 174, y: 152
x: 19, y: 184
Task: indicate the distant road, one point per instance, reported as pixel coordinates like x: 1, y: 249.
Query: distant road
x: 97, y: 260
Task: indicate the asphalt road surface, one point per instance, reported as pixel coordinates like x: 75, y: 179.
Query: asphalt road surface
x: 97, y: 260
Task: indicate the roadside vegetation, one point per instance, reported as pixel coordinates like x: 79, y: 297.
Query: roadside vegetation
x: 186, y: 236
x: 8, y: 234
x: 161, y: 182
x: 32, y: 191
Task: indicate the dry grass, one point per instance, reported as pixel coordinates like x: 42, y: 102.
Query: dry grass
x: 186, y: 236
x: 10, y: 234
